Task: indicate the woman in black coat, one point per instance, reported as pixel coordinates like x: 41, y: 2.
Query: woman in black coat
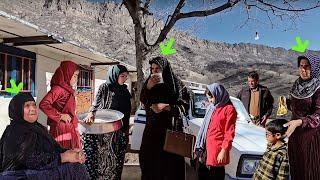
x: 162, y: 102
x: 27, y: 151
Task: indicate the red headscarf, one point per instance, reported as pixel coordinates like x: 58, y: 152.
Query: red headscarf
x: 63, y: 75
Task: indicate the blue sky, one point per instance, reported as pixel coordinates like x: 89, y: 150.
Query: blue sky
x: 225, y: 27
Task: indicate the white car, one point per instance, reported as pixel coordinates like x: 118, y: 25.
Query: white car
x: 248, y: 145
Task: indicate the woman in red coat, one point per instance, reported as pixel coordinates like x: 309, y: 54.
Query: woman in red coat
x: 216, y: 134
x: 60, y: 106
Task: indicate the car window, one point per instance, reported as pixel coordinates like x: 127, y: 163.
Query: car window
x: 200, y: 103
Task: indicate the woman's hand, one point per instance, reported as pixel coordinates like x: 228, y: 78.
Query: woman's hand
x: 65, y: 117
x: 222, y: 156
x: 89, y: 119
x: 292, y: 125
x: 153, y: 81
x: 158, y: 108
x: 73, y: 156
x: 264, y: 120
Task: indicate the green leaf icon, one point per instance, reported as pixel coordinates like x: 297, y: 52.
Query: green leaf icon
x: 14, y: 88
x: 167, y: 49
x: 301, y: 47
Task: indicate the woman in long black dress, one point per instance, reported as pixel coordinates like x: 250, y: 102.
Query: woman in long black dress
x: 161, y: 101
x: 27, y: 151
x: 105, y: 152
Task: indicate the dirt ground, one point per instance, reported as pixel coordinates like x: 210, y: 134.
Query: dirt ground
x: 131, y: 159
x: 131, y: 170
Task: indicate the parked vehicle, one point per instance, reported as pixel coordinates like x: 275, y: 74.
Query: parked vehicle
x: 247, y: 148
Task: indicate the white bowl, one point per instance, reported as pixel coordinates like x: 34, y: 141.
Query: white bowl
x: 106, y: 121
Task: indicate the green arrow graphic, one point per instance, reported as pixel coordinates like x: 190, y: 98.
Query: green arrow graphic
x: 167, y: 49
x: 300, y: 47
x: 14, y: 89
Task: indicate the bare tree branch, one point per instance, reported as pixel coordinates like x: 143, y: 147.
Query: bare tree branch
x: 131, y: 38
x: 170, y: 23
x: 287, y: 13
x: 145, y: 8
x: 288, y: 9
x: 177, y: 15
x: 146, y: 4
x: 209, y: 12
x: 172, y: 19
x: 145, y: 36
x: 248, y: 17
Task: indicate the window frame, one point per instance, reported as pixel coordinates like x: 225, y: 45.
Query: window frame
x: 28, y: 78
x: 85, y: 85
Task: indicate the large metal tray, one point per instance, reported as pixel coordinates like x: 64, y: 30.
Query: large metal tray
x: 106, y: 121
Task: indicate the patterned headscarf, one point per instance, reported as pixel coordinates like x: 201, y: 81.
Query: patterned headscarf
x: 302, y: 89
x: 315, y: 65
x: 221, y: 99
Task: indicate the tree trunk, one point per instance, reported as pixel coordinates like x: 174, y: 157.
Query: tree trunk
x: 140, y: 58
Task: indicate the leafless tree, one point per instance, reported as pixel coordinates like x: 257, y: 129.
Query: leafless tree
x: 139, y: 10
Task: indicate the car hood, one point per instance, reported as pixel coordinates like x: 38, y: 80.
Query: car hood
x: 248, y: 137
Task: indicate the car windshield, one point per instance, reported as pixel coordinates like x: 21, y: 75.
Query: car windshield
x: 200, y: 102
x: 242, y: 114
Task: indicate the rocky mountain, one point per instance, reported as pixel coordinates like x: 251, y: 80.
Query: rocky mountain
x: 107, y: 27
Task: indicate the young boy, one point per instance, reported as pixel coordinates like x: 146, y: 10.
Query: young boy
x: 274, y: 164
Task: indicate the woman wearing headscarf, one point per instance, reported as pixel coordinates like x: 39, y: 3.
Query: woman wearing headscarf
x: 105, y: 152
x: 162, y: 102
x: 27, y: 151
x: 60, y: 106
x: 216, y: 134
x: 304, y: 128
